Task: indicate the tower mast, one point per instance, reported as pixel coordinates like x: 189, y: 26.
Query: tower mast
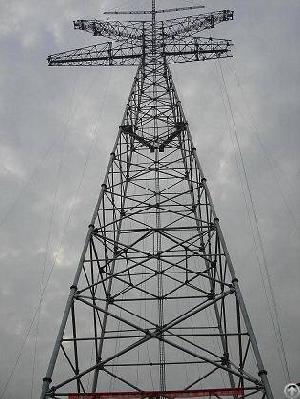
x: 155, y: 290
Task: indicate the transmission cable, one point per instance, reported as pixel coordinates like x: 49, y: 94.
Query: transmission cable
x: 43, y: 291
x: 59, y: 171
x: 23, y: 189
x: 209, y: 313
x: 51, y: 220
x: 267, y: 155
x: 257, y: 229
x: 26, y: 185
x: 252, y: 230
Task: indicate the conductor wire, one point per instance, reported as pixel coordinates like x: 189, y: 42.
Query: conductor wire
x: 44, y: 284
x: 272, y: 302
x: 270, y: 160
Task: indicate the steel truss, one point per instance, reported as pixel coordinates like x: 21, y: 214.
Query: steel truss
x: 155, y: 303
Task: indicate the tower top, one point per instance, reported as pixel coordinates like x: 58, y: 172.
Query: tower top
x: 173, y: 40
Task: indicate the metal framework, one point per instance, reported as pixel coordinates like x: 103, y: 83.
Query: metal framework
x: 155, y: 303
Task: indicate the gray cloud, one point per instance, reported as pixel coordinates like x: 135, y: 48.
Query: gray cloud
x: 57, y: 130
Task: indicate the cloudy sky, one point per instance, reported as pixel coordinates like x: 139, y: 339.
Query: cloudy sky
x: 57, y: 130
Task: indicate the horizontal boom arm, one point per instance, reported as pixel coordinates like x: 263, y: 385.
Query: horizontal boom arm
x: 116, y: 30
x: 198, y: 49
x: 98, y: 55
x: 182, y: 28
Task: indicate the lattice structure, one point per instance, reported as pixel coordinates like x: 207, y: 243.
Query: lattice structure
x: 155, y: 309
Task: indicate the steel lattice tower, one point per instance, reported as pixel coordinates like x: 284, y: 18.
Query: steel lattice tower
x: 155, y: 309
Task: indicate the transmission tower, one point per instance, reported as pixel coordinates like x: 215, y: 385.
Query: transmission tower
x: 155, y: 309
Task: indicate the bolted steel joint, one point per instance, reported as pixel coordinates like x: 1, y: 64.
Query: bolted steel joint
x: 262, y: 372
x: 212, y: 226
x: 232, y: 289
x: 211, y: 296
x: 148, y: 333
x: 225, y: 359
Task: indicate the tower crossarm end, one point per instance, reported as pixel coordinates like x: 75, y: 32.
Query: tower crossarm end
x: 98, y: 55
x: 198, y: 49
x: 115, y: 30
x: 181, y: 28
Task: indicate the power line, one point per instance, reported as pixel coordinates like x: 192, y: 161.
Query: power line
x: 252, y: 230
x: 44, y: 287
x: 270, y: 160
x: 257, y: 228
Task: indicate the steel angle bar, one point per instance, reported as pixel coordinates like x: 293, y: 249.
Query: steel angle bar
x: 196, y: 310
x: 102, y: 363
x: 213, y: 362
x: 113, y: 375
x: 112, y: 275
x: 193, y: 344
x: 119, y: 318
x: 201, y: 378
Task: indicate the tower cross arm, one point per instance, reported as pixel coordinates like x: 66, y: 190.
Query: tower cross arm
x: 198, y: 49
x: 182, y: 28
x: 115, y: 30
x: 98, y: 55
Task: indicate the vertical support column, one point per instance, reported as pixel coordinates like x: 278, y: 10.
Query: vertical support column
x: 153, y: 27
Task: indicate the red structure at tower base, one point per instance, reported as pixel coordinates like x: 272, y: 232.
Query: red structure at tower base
x: 199, y: 393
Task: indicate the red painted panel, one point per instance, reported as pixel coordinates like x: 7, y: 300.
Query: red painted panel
x: 202, y: 393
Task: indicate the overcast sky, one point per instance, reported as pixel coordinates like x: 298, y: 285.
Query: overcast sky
x: 57, y: 130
